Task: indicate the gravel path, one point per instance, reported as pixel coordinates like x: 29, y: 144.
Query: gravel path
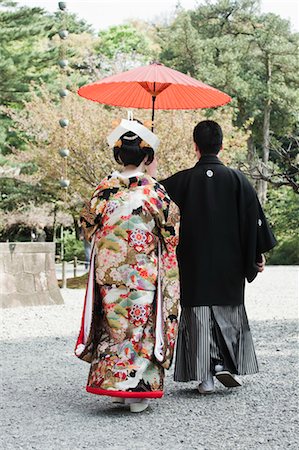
x: 44, y: 404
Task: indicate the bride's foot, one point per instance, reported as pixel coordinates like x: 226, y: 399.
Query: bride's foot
x: 118, y: 400
x: 137, y: 404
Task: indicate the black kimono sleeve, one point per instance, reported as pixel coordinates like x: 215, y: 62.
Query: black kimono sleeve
x: 257, y: 237
x: 174, y: 188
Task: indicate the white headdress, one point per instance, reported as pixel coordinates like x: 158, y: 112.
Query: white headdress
x: 140, y: 130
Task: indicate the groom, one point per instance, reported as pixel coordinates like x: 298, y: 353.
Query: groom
x: 223, y: 235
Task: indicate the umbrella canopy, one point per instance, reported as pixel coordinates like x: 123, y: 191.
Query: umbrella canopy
x: 138, y: 87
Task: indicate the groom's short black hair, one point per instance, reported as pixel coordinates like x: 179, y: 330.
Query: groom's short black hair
x: 208, y: 137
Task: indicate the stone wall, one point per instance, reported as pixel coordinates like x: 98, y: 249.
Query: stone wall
x: 27, y: 274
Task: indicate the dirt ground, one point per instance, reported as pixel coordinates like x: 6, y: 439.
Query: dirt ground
x: 44, y: 404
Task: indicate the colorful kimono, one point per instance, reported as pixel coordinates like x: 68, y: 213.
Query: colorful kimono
x: 129, y: 321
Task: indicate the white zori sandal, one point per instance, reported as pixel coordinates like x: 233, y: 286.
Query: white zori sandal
x: 137, y: 405
x: 118, y: 400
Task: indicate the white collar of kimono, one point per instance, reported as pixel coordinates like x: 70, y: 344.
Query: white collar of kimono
x: 132, y: 125
x: 117, y: 174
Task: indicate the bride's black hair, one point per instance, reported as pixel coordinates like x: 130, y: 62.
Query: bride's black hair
x: 130, y: 152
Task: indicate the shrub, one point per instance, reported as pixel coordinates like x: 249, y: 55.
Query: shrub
x: 72, y: 246
x: 286, y: 253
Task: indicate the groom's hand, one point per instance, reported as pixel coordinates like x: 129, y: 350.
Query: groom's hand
x: 261, y: 264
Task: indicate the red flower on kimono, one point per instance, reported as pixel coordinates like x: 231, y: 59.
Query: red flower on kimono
x: 173, y: 240
x: 170, y: 261
x: 138, y: 239
x: 137, y: 346
x: 142, y: 272
x: 121, y: 375
x: 149, y: 238
x: 106, y: 230
x: 154, y: 201
x: 138, y: 314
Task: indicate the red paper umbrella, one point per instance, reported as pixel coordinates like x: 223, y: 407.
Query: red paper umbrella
x: 154, y: 86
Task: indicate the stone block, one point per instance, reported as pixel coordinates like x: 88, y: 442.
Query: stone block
x: 51, y: 279
x: 13, y: 263
x: 25, y: 283
x: 2, y: 257
x: 7, y: 283
x: 43, y: 298
x: 40, y: 282
x: 34, y: 262
x: 50, y: 261
x: 27, y: 274
x: 27, y: 247
x: 56, y: 297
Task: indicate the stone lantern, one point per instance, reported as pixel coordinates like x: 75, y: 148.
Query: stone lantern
x: 63, y: 34
x: 64, y: 152
x: 64, y: 183
x: 63, y: 92
x: 64, y: 123
x: 62, y: 5
x: 63, y: 63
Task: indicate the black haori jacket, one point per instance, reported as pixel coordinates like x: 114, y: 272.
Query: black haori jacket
x: 223, y: 232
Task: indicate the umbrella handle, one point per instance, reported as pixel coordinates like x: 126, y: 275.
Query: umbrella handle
x: 153, y: 111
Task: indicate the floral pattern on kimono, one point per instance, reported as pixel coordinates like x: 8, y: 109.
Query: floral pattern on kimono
x: 128, y: 218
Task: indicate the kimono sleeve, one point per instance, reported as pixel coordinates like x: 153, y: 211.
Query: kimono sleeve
x: 265, y: 238
x: 91, y: 214
x: 174, y: 188
x: 170, y: 279
x: 258, y: 238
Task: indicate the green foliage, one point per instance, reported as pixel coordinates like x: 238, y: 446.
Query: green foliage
x: 17, y: 195
x: 251, y: 56
x: 24, y: 57
x: 283, y: 209
x: 123, y: 47
x: 28, y: 54
x: 72, y: 246
x: 18, y: 232
x: 69, y: 21
x: 286, y: 253
x: 122, y: 39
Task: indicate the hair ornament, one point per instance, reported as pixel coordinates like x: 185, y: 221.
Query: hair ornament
x: 143, y: 144
x: 115, y: 123
x: 118, y: 143
x: 130, y: 115
x: 138, y: 129
x: 148, y: 124
x: 130, y: 138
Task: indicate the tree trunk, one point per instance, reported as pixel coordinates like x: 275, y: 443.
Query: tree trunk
x: 252, y: 159
x: 262, y: 188
x: 76, y: 225
x: 55, y: 222
x: 251, y: 151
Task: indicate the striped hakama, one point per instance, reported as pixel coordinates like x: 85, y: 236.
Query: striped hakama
x: 210, y: 335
